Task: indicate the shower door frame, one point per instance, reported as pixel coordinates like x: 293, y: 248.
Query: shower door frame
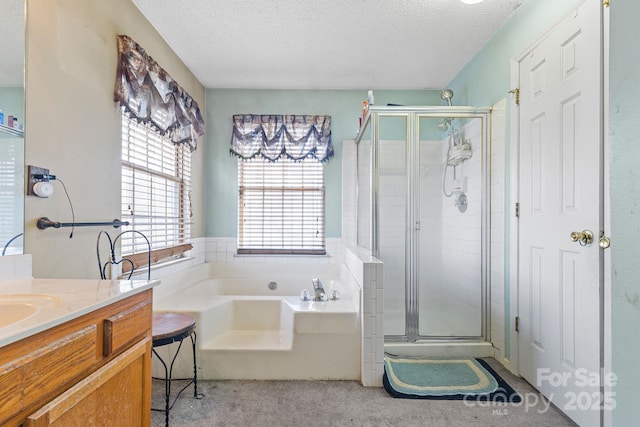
x: 413, y: 114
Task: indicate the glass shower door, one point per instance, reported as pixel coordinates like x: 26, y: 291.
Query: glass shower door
x: 449, y: 271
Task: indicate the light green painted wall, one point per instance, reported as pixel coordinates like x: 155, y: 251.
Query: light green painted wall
x: 625, y: 208
x: 486, y: 79
x: 344, y: 107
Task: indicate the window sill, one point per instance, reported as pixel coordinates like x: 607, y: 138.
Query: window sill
x: 278, y: 255
x: 159, y: 266
x: 275, y: 256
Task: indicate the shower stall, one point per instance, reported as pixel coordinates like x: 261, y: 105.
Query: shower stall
x: 422, y: 209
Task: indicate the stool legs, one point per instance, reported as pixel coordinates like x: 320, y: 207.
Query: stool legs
x: 194, y: 337
x: 168, y: 377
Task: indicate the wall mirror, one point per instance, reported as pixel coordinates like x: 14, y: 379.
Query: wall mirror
x: 12, y: 105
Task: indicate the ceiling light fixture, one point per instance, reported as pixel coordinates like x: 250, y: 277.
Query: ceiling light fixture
x: 472, y: 1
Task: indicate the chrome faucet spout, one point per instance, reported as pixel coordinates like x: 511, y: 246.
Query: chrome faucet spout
x: 318, y: 290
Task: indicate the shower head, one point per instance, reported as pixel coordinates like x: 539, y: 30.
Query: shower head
x: 443, y: 125
x: 446, y: 95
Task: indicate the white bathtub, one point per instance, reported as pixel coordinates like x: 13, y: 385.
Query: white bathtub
x: 248, y: 331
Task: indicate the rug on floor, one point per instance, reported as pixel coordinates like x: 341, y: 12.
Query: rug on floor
x: 445, y: 379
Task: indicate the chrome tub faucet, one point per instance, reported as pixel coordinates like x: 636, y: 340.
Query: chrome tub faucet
x: 318, y: 290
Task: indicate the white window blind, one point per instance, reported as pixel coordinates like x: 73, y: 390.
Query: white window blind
x: 11, y: 195
x: 156, y: 186
x: 281, y: 206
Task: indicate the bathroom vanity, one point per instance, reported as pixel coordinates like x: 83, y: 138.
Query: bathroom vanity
x: 75, y: 352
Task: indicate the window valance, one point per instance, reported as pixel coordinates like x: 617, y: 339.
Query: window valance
x: 151, y: 96
x: 275, y: 136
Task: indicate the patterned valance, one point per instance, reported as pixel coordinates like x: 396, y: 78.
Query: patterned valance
x: 151, y: 96
x: 275, y: 136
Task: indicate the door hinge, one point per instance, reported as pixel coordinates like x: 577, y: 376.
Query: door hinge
x: 516, y: 92
x: 517, y: 210
x: 517, y: 324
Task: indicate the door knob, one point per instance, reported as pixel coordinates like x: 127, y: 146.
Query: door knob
x: 604, y: 241
x: 584, y: 237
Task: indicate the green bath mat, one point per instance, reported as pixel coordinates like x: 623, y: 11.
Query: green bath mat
x: 446, y: 379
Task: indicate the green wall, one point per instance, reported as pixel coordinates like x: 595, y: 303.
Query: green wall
x: 344, y: 107
x: 625, y: 207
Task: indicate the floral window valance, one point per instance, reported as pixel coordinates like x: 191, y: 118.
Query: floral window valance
x: 151, y: 96
x: 275, y: 136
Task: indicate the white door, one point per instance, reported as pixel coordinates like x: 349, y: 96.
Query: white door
x: 559, y: 193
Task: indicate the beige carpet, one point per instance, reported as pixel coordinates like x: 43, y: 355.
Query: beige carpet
x: 340, y: 403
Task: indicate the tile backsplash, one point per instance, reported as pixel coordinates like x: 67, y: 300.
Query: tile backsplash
x: 15, y: 267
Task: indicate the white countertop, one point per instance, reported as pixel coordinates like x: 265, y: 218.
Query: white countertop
x: 55, y: 301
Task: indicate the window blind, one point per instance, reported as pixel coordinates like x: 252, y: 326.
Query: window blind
x: 11, y: 190
x: 156, y: 186
x: 281, y: 207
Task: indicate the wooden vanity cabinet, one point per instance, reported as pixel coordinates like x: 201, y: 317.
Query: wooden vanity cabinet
x: 94, y: 370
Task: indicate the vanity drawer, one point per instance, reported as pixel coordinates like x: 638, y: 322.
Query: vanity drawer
x: 126, y: 327
x: 45, y: 370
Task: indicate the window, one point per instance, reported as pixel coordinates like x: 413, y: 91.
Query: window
x: 281, y: 206
x: 156, y: 175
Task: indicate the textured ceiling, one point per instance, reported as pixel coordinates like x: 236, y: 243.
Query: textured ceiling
x: 328, y: 44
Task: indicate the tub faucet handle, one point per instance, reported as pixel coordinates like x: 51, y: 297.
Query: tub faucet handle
x: 304, y: 295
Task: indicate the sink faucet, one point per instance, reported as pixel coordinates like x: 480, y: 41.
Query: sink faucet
x: 318, y: 289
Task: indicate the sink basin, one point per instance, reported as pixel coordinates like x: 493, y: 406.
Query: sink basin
x: 17, y: 307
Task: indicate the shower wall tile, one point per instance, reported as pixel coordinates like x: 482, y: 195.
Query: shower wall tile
x: 363, y: 173
x: 359, y: 260
x: 367, y: 352
x: 349, y: 192
x: 366, y: 372
x: 379, y: 301
x: 354, y: 263
x: 368, y: 324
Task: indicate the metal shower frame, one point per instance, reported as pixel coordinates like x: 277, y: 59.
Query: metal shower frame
x: 413, y: 115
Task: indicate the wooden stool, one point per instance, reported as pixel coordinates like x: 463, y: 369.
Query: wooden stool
x: 167, y: 329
